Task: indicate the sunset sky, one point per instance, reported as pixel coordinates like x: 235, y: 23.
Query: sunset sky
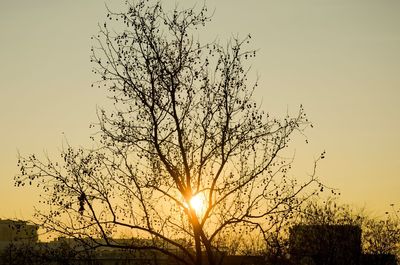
x: 339, y: 58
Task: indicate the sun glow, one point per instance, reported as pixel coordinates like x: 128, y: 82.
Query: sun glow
x: 198, y: 203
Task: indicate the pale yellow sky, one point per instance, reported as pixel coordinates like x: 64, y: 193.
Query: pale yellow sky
x: 339, y: 58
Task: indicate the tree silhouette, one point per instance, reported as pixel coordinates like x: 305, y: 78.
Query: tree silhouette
x: 184, y: 124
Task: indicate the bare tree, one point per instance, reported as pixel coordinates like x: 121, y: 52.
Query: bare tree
x: 186, y: 158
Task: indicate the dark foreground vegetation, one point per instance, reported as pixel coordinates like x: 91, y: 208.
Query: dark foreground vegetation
x: 324, y: 233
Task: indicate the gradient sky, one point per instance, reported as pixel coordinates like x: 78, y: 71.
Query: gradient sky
x: 339, y: 58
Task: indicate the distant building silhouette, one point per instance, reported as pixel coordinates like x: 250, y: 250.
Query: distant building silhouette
x: 17, y: 231
x: 378, y: 259
x: 331, y: 245
x: 325, y: 244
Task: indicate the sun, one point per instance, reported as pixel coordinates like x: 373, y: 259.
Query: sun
x: 197, y: 202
